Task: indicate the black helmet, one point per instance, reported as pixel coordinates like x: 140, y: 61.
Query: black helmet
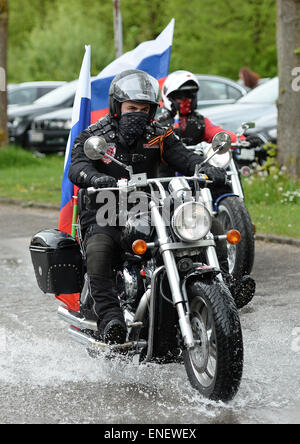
x: 136, y: 86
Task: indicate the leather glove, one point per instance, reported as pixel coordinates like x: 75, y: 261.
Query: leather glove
x: 103, y: 182
x: 217, y: 175
x: 254, y: 140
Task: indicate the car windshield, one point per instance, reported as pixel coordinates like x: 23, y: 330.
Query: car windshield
x: 265, y: 93
x: 58, y: 95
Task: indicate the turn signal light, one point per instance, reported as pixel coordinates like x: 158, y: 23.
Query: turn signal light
x: 139, y: 247
x: 234, y: 237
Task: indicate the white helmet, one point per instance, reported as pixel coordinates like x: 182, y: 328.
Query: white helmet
x: 180, y: 83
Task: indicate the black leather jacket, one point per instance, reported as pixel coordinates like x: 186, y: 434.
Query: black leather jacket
x: 145, y: 156
x: 195, y: 126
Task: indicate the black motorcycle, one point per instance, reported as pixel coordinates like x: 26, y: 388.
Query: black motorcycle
x: 176, y: 305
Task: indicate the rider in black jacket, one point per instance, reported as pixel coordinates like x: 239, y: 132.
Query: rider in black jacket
x: 136, y: 140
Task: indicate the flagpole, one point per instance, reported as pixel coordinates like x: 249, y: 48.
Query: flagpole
x: 118, y: 28
x: 75, y: 212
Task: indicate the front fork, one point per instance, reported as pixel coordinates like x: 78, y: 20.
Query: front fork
x: 173, y: 278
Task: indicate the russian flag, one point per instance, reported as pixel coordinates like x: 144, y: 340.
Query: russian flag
x: 81, y: 119
x: 152, y: 57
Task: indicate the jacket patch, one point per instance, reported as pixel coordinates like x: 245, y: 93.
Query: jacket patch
x: 111, y: 151
x: 147, y: 146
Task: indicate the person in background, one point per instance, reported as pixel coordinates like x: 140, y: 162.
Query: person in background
x: 248, y: 78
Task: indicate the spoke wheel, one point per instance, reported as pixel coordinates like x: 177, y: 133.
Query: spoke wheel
x: 214, y: 365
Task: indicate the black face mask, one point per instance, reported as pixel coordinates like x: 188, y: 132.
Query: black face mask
x: 132, y: 125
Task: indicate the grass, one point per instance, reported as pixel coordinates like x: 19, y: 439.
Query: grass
x: 26, y: 177
x: 273, y: 201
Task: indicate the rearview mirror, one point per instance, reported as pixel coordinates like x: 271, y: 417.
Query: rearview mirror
x: 95, y: 147
x: 248, y: 125
x: 221, y: 143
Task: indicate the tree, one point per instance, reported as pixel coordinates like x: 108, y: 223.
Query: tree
x: 3, y: 64
x: 288, y: 50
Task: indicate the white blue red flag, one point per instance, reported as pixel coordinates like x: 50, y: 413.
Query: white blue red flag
x: 91, y: 101
x: 81, y: 119
x: 152, y: 57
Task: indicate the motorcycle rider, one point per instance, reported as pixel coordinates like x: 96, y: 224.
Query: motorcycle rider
x: 180, y: 102
x: 134, y: 139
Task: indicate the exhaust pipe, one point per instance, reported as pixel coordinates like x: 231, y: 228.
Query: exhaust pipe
x: 85, y: 339
x: 90, y: 342
x: 76, y: 319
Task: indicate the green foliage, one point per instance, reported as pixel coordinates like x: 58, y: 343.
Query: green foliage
x: 273, y: 201
x: 47, y: 37
x: 54, y: 50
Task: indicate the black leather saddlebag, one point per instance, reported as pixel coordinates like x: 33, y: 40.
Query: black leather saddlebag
x: 57, y: 262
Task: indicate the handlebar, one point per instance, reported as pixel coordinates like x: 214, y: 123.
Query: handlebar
x: 132, y: 186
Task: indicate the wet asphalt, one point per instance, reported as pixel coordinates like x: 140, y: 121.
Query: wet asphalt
x: 47, y: 378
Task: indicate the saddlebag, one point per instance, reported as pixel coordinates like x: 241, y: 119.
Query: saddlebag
x: 57, y: 262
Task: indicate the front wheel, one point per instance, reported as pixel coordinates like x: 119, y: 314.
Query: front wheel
x: 233, y: 213
x: 215, y: 365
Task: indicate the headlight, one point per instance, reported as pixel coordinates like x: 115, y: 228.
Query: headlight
x: 219, y: 160
x: 15, y: 122
x: 191, y: 221
x: 58, y: 124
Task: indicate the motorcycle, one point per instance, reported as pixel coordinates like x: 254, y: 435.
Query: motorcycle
x: 176, y: 305
x: 228, y: 204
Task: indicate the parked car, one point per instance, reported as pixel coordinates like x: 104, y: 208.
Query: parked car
x: 50, y: 132
x: 217, y: 90
x: 26, y: 93
x: 20, y: 118
x: 266, y: 126
x: 259, y: 102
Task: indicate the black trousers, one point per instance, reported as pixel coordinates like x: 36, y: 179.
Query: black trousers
x: 103, y: 250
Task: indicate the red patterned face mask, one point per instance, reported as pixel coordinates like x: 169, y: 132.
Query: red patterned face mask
x: 185, y: 107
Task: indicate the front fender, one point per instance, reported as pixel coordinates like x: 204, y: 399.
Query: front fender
x: 200, y: 272
x: 220, y: 198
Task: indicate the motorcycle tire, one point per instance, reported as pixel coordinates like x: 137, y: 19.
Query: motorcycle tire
x: 233, y: 214
x: 215, y: 365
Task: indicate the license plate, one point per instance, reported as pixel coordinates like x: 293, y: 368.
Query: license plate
x: 247, y: 154
x: 36, y: 137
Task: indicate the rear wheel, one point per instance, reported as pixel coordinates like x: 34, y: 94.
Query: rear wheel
x: 215, y: 365
x: 233, y: 213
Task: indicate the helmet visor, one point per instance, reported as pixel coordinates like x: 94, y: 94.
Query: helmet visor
x: 138, y: 87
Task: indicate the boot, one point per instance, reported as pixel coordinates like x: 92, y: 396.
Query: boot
x: 111, y: 323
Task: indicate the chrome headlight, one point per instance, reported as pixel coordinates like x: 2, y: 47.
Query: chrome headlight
x: 219, y: 160
x: 15, y: 122
x: 191, y: 221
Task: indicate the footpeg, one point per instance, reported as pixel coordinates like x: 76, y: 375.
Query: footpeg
x: 134, y: 324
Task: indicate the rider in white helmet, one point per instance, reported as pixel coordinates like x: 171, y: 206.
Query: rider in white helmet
x: 180, y: 111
